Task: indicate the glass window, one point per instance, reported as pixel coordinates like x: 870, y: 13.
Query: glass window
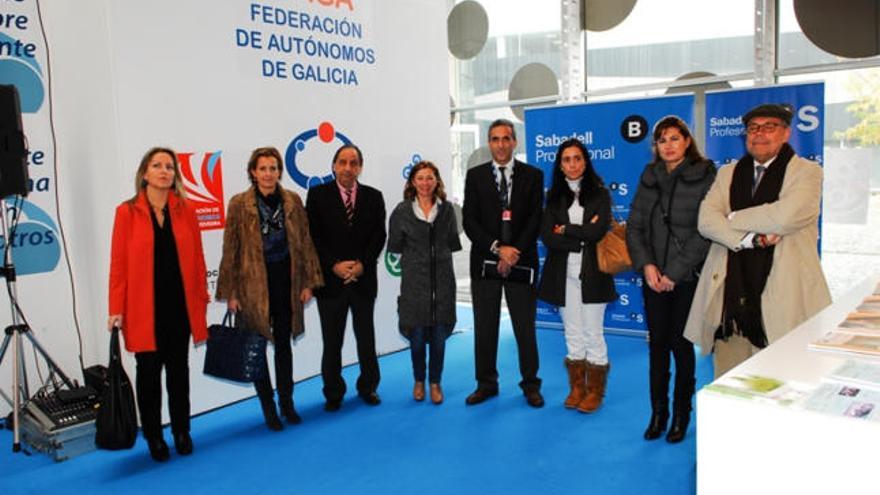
x: 794, y: 49
x: 851, y: 196
x: 661, y: 41
x: 520, y: 32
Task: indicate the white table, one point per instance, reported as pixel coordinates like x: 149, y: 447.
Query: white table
x: 749, y: 447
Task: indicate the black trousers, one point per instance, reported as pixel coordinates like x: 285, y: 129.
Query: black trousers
x: 172, y: 354
x: 333, y: 311
x: 280, y: 315
x: 521, y: 303
x: 667, y: 314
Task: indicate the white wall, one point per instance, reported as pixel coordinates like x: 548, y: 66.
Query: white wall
x: 126, y: 76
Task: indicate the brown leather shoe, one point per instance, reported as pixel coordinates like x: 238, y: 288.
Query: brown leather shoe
x: 534, y: 398
x: 419, y: 391
x: 436, y: 393
x: 480, y: 395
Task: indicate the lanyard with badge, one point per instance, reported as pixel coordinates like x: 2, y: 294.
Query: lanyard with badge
x: 506, y: 213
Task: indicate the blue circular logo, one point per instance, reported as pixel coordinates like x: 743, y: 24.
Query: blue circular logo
x: 25, y: 74
x: 416, y: 158
x: 35, y: 246
x: 326, y: 134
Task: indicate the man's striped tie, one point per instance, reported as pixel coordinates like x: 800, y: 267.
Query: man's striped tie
x: 349, y: 206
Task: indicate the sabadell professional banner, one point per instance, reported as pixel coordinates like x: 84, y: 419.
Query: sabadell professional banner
x: 617, y: 135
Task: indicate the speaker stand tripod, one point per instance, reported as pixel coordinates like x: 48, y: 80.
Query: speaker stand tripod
x: 14, y: 333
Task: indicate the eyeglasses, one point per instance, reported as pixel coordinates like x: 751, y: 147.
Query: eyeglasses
x: 765, y: 128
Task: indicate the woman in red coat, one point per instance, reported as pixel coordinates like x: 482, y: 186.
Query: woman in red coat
x: 159, y: 294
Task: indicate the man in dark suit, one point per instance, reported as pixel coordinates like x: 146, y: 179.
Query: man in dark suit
x: 502, y: 215
x: 347, y: 222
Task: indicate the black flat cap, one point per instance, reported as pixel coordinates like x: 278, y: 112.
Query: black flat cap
x: 781, y: 112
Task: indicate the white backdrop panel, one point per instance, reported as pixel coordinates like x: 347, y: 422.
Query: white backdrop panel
x: 178, y: 77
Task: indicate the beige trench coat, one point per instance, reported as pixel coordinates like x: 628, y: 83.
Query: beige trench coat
x: 796, y: 287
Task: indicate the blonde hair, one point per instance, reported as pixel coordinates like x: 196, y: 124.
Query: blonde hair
x: 140, y: 184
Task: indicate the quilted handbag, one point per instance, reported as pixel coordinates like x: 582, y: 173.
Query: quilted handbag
x: 611, y: 251
x: 235, y: 353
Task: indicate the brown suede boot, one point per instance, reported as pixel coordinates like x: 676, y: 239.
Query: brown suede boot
x: 597, y: 377
x: 577, y: 381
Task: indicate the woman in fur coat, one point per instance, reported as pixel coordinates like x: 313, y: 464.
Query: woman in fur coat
x: 268, y: 271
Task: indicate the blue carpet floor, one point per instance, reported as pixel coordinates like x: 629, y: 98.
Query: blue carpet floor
x: 402, y: 446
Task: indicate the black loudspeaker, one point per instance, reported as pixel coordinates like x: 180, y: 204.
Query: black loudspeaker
x: 13, y: 154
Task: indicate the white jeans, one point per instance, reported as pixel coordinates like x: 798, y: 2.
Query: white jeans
x: 584, y: 325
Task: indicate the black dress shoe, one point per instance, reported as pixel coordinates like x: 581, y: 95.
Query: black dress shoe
x: 183, y: 443
x: 534, y: 398
x: 657, y: 425
x: 479, y: 395
x: 332, y: 405
x: 679, y: 428
x: 158, y: 449
x: 289, y: 413
x: 371, y: 398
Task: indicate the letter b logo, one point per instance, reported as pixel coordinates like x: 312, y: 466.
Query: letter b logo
x: 634, y: 128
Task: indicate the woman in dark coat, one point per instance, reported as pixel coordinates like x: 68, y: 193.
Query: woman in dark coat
x: 423, y: 230
x: 665, y: 245
x: 268, y: 270
x: 577, y: 216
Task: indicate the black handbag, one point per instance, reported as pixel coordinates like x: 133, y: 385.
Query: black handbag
x: 116, y: 421
x: 235, y: 353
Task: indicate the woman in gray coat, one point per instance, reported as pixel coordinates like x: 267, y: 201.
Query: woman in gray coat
x: 664, y: 244
x: 423, y: 230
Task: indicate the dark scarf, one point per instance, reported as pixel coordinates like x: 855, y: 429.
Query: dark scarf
x: 271, y: 210
x: 748, y: 269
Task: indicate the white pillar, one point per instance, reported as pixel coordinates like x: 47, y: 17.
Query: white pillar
x: 573, y: 54
x: 765, y: 42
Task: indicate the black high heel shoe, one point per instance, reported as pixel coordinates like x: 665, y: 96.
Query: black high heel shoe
x: 158, y: 449
x: 270, y: 414
x: 657, y: 425
x: 679, y: 427
x: 289, y: 413
x: 183, y: 443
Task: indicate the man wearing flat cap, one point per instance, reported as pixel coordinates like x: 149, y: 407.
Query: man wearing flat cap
x: 762, y: 276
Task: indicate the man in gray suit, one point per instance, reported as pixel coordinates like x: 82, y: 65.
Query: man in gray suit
x: 762, y: 276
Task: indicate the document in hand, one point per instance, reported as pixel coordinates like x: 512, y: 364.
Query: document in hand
x: 517, y: 273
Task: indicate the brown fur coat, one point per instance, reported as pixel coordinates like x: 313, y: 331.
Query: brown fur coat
x: 243, y: 270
